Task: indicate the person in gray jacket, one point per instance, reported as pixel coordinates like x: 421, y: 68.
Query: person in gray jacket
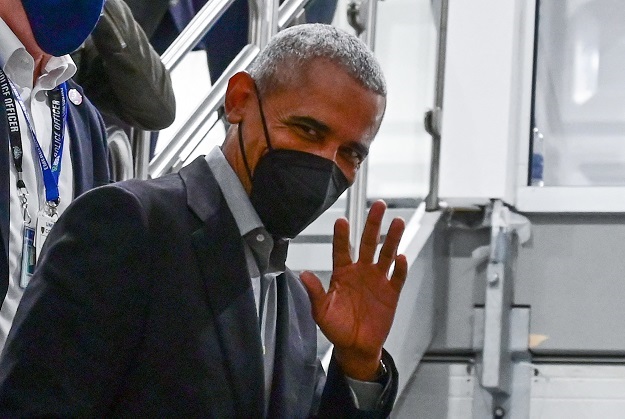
x: 122, y: 74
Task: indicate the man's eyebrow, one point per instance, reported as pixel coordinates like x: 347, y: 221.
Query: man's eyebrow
x: 309, y: 122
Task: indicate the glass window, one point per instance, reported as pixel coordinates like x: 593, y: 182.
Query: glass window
x: 579, y: 102
x: 406, y: 45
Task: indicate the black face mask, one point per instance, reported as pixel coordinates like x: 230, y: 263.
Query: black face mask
x: 290, y: 188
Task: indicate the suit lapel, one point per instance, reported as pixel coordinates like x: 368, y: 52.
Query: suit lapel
x: 295, y: 359
x: 221, y: 259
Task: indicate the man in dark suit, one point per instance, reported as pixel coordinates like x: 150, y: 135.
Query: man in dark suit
x: 34, y: 68
x: 170, y: 298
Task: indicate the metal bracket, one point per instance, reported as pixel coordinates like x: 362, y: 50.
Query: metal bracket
x: 501, y: 333
x: 432, y: 121
x: 516, y: 403
x: 495, y: 373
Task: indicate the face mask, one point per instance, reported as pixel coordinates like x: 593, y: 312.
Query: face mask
x: 290, y: 188
x: 61, y: 26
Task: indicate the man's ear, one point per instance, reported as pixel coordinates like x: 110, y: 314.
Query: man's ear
x: 240, y: 90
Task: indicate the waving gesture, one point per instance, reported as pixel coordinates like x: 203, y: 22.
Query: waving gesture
x: 356, y: 313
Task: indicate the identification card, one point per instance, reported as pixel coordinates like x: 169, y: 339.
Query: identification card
x: 28, y: 255
x: 45, y: 222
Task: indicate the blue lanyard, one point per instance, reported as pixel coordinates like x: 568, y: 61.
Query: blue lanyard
x: 51, y: 172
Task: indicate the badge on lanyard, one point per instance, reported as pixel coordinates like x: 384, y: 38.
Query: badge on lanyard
x: 28, y: 255
x: 45, y: 221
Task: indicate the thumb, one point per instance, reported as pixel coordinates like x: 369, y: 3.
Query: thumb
x: 315, y: 290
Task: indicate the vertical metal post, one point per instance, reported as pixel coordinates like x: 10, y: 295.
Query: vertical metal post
x: 356, y: 204
x: 433, y: 117
x: 141, y: 152
x: 368, y: 36
x: 263, y: 21
x: 357, y: 194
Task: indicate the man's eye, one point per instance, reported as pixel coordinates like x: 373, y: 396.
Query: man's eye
x: 304, y: 130
x: 308, y: 131
x: 355, y: 157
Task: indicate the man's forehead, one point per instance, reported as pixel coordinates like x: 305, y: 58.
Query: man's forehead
x: 293, y: 74
x: 327, y: 98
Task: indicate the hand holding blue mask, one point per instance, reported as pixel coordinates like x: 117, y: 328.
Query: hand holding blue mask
x: 61, y: 26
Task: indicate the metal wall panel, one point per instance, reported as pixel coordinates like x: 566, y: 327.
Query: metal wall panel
x: 571, y: 274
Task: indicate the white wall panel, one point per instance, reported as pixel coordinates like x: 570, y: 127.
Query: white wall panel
x: 487, y: 98
x: 582, y: 391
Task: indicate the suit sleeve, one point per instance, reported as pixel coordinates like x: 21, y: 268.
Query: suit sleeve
x: 336, y: 399
x: 81, y: 318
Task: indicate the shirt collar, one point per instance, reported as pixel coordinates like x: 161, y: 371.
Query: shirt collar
x: 270, y: 254
x: 245, y: 216
x: 19, y: 65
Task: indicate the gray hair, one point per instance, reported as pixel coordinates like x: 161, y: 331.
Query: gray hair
x: 291, y: 50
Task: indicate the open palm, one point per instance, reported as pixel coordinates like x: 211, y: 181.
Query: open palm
x: 357, y: 311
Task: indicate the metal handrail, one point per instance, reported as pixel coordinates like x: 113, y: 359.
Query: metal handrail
x: 193, y: 33
x: 185, y: 42
x: 289, y: 10
x: 192, y: 129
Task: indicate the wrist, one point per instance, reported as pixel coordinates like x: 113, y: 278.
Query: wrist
x: 383, y: 374
x: 359, y: 367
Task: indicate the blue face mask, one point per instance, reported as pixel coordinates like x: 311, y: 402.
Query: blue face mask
x: 61, y: 26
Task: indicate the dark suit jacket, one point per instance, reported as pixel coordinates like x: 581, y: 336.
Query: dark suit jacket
x: 142, y: 306
x: 87, y: 138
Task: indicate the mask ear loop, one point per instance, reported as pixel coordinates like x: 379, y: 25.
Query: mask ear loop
x: 262, y: 117
x: 265, y: 130
x: 247, y: 166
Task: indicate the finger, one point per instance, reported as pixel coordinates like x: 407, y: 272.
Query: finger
x: 341, y: 252
x: 371, y: 233
x: 316, y: 293
x: 389, y: 248
x: 399, y: 273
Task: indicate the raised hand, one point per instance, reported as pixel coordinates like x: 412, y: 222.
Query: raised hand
x: 357, y: 311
